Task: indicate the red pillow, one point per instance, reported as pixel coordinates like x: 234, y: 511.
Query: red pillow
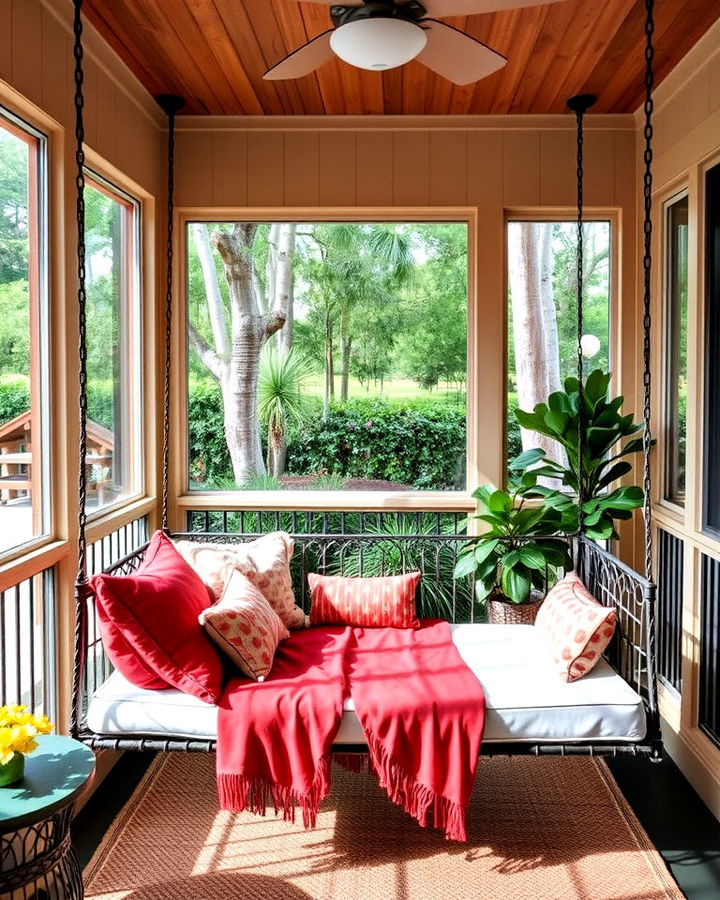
x: 149, y: 624
x: 371, y: 602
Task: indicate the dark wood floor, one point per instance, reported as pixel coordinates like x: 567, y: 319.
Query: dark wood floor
x: 677, y: 821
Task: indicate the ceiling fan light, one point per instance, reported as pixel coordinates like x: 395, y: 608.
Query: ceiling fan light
x: 378, y: 44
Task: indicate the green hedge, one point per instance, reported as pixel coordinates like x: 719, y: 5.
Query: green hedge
x: 413, y: 442
x: 14, y: 396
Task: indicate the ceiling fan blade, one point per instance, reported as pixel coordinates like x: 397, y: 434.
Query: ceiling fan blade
x: 455, y: 55
x: 443, y: 8
x: 304, y: 60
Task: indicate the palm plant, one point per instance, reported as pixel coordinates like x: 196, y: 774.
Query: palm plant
x: 281, y: 381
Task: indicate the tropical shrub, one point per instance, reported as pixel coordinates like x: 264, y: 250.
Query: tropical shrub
x: 601, y: 462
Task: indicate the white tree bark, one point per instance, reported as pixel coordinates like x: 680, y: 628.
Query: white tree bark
x: 283, y: 295
x: 531, y: 350
x: 234, y: 360
x: 549, y: 313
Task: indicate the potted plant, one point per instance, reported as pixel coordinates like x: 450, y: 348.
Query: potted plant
x: 602, y: 462
x: 515, y: 556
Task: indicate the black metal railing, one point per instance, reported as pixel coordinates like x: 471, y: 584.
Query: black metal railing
x: 27, y: 643
x: 323, y: 522
x: 670, y: 571
x: 632, y: 652
x: 709, y: 699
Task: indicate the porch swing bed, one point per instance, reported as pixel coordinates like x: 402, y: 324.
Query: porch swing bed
x: 530, y: 710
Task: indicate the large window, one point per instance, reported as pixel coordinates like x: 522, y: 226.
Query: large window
x: 113, y: 320
x: 327, y: 356
x: 676, y: 286
x: 542, y: 314
x: 24, y: 460
x: 712, y: 352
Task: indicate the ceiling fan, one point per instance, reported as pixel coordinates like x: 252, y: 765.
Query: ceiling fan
x: 383, y: 34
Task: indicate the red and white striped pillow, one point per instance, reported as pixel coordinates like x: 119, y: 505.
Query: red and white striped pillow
x: 366, y: 602
x: 577, y: 627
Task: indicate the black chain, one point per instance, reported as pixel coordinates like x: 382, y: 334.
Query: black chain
x: 82, y: 295
x: 170, y: 104
x: 581, y: 398
x: 579, y: 105
x: 647, y: 268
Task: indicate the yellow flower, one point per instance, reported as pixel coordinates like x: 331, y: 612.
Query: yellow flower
x: 18, y: 730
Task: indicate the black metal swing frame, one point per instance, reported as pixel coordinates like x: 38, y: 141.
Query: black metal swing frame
x: 632, y: 651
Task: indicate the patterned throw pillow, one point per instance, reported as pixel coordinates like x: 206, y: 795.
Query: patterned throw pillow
x: 265, y: 562
x: 370, y: 602
x: 245, y: 627
x: 577, y: 627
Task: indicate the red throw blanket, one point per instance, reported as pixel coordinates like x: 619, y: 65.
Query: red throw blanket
x: 421, y: 708
x: 274, y: 737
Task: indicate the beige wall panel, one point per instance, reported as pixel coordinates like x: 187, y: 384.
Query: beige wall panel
x: 264, y: 169
x: 6, y: 39
x: 625, y: 176
x: 411, y: 168
x: 491, y: 315
x: 484, y: 170
x: 702, y: 141
x: 374, y: 168
x: 91, y: 75
x: 26, y: 74
x: 521, y: 172
x: 598, y: 168
x: 229, y: 169
x: 448, y: 168
x: 302, y: 169
x: 558, y: 183
x: 337, y: 168
x: 106, y: 98
x: 193, y: 155
x: 714, y: 84
x: 56, y: 59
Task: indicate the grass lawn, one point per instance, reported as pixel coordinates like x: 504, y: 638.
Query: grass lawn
x: 392, y: 389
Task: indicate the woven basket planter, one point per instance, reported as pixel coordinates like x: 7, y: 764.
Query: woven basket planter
x: 500, y: 612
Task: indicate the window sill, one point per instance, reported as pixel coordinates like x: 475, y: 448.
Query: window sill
x: 329, y: 501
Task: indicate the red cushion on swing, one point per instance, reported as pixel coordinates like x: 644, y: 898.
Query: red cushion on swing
x: 149, y: 624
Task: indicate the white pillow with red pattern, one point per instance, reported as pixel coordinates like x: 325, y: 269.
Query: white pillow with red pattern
x: 577, y: 627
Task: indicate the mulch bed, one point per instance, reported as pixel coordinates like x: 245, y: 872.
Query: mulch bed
x: 307, y: 482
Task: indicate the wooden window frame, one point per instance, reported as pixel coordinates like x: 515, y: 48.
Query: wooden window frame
x: 36, y: 141
x: 131, y: 338
x: 182, y: 500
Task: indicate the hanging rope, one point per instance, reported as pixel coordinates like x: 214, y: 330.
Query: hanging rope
x: 647, y: 268
x: 580, y: 105
x: 82, y: 295
x: 170, y: 105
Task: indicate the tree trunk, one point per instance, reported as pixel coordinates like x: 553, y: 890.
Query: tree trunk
x: 284, y: 283
x: 329, y: 366
x: 277, y: 450
x: 549, y: 312
x: 250, y: 330
x: 529, y: 335
x: 346, y: 348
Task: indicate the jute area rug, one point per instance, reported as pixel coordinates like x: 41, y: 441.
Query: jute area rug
x: 539, y: 829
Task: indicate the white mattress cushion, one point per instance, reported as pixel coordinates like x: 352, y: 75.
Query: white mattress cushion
x: 526, y: 699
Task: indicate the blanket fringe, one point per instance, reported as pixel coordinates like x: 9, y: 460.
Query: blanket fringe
x: 238, y: 792
x: 416, y: 799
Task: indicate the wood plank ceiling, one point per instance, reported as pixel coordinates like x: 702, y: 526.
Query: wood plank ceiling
x: 214, y: 53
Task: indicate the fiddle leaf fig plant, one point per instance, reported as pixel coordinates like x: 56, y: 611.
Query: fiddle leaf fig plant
x: 516, y: 552
x: 603, y: 454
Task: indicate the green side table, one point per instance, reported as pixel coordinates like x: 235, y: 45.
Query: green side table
x: 37, y: 861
